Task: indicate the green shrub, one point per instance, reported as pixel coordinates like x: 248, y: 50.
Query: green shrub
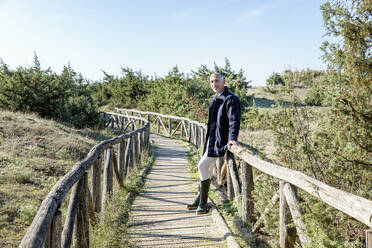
x: 315, y: 96
x: 275, y: 79
x: 62, y: 97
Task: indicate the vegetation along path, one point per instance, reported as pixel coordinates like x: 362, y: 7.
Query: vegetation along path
x: 159, y: 217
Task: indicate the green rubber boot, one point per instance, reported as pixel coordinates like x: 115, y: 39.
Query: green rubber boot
x: 203, y: 203
x: 195, y: 204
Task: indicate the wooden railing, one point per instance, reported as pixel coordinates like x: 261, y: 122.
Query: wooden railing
x: 240, y: 187
x: 46, y: 228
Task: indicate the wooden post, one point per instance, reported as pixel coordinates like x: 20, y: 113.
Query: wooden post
x: 112, y: 121
x: 56, y: 229
x: 143, y: 140
x: 219, y: 163
x: 122, y: 123
x: 287, y: 235
x: 47, y: 239
x: 133, y: 125
x: 128, y: 158
x: 158, y: 125
x: 197, y: 134
x: 117, y: 122
x: 53, y: 236
x: 170, y: 125
x: 189, y: 132
x: 121, y: 158
x: 107, y: 178
x: 193, y: 133
x: 81, y: 227
x: 135, y: 149
x: 229, y: 186
x: 139, y: 136
x: 96, y: 185
x: 234, y: 178
x: 369, y: 238
x: 181, y: 133
x: 132, y: 155
x: 202, y: 136
x: 184, y: 128
x: 247, y: 188
x: 119, y: 179
x: 148, y: 136
x: 90, y: 208
x: 294, y: 207
x: 71, y: 213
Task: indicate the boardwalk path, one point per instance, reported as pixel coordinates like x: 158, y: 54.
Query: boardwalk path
x: 159, y: 217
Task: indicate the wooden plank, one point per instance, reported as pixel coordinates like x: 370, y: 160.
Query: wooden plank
x: 354, y: 206
x: 287, y: 235
x: 81, y: 226
x: 294, y: 207
x: 247, y: 188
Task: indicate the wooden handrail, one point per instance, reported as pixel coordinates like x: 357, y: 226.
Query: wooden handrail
x: 357, y: 207
x: 354, y: 206
x: 41, y: 223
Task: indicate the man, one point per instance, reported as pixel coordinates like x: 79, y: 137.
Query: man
x: 222, y: 132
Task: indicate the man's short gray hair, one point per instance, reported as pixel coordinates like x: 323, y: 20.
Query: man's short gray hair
x: 217, y: 74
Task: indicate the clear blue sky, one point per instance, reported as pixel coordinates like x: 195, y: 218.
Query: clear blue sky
x: 259, y: 36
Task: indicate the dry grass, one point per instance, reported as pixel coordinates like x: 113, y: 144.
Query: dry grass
x: 34, y: 154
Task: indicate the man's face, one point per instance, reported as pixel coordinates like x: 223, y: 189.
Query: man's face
x: 217, y: 84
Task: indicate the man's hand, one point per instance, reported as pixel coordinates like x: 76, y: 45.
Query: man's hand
x: 231, y: 142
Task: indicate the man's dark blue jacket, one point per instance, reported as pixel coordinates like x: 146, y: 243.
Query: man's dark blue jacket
x: 223, y: 123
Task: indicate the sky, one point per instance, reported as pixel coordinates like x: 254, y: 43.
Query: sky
x: 258, y: 36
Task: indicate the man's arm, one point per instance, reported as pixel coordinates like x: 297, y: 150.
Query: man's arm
x: 233, y: 114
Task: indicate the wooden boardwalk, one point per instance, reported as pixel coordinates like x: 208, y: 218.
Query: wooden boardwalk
x: 159, y: 217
